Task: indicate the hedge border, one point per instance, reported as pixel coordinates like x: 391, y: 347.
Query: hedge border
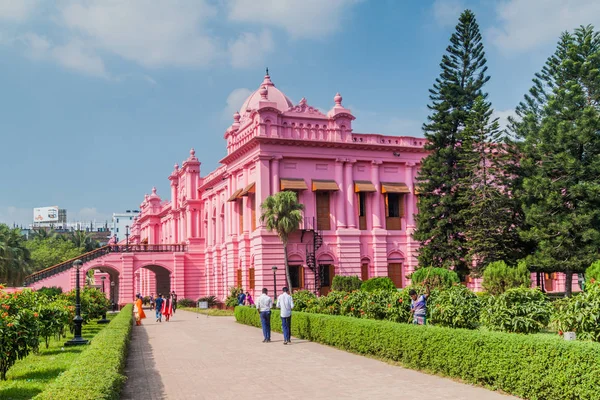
x: 527, y: 366
x: 97, y: 372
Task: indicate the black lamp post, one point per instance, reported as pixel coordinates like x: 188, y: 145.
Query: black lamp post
x: 112, y: 295
x: 126, y: 237
x: 77, y: 321
x: 274, y: 268
x: 103, y: 320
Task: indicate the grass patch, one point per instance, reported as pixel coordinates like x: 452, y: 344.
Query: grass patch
x: 30, y: 376
x: 213, y: 312
x: 98, y: 372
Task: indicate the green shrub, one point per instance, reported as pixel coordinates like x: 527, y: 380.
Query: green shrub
x: 499, y: 277
x: 456, y: 307
x: 302, y: 299
x: 518, y: 310
x: 378, y: 283
x: 533, y: 367
x: 579, y: 313
x: 98, y: 371
x: 185, y: 303
x: 436, y: 277
x: 592, y: 273
x: 51, y: 292
x: 231, y: 300
x: 211, y: 300
x: 93, y: 303
x: 346, y: 283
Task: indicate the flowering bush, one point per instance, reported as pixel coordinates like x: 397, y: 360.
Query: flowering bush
x: 53, y: 318
x: 592, y: 273
x: 519, y: 310
x: 302, y: 299
x: 455, y: 307
x: 580, y: 313
x: 93, y: 303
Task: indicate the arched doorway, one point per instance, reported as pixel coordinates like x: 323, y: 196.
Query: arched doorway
x: 152, y: 280
x: 106, y: 279
x: 395, y: 268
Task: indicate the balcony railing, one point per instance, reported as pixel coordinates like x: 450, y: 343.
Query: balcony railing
x: 102, y: 251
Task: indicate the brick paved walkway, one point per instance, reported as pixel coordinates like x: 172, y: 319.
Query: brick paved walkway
x: 195, y: 357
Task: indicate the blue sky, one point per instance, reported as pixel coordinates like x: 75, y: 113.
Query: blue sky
x: 101, y: 97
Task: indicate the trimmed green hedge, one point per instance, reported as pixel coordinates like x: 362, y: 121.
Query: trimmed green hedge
x: 528, y: 366
x: 97, y: 373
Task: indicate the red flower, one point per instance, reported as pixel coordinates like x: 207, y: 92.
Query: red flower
x: 352, y: 309
x: 593, y: 280
x: 9, y: 324
x: 36, y: 314
x: 560, y: 333
x: 389, y: 305
x: 399, y: 300
x: 5, y: 315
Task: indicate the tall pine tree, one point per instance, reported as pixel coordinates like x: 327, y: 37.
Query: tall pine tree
x: 440, y: 222
x: 561, y: 157
x: 494, y: 215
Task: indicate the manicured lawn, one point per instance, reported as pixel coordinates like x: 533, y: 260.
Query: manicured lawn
x: 29, y: 376
x: 213, y: 312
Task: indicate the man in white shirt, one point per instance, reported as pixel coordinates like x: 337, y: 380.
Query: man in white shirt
x: 263, y: 305
x: 285, y: 303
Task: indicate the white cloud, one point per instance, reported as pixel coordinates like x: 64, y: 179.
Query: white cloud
x: 526, y: 24
x: 88, y: 214
x: 73, y: 55
x: 16, y: 10
x: 250, y: 49
x: 16, y: 215
x: 153, y: 35
x: 301, y: 19
x: 234, y: 102
x: 503, y: 117
x: 446, y: 12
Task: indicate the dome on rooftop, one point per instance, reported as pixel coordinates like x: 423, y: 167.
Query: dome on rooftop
x: 266, y: 92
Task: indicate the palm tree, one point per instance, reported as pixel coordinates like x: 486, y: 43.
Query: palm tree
x: 83, y: 239
x: 282, y: 213
x: 14, y: 256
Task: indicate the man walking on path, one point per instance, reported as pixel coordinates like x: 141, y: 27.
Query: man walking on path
x: 174, y: 301
x: 263, y: 305
x: 159, y: 302
x: 285, y: 303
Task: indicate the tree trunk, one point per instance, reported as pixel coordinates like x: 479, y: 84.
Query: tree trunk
x: 287, y: 267
x: 568, y: 283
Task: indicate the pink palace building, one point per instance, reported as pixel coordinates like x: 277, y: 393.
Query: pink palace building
x: 358, y: 190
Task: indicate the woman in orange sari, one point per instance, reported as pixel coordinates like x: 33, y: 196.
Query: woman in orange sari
x: 139, y: 311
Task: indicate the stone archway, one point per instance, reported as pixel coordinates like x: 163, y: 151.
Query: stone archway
x: 159, y: 280
x: 110, y: 286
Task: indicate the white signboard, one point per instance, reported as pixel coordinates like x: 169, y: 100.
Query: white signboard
x: 45, y: 214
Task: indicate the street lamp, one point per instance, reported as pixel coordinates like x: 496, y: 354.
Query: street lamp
x: 103, y: 320
x: 77, y: 321
x: 274, y: 268
x: 126, y: 237
x: 112, y: 295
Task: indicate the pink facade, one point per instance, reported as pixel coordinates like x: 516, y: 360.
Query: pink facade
x: 358, y: 190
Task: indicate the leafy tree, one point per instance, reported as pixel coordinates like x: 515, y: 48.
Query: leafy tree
x: 14, y: 256
x: 499, y: 277
x: 439, y: 278
x: 83, y: 239
x: 440, y: 222
x: 51, y: 251
x: 561, y: 158
x: 494, y: 214
x: 283, y: 214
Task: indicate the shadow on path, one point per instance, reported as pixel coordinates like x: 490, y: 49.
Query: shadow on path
x: 143, y: 378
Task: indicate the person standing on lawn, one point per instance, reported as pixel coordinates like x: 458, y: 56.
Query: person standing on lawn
x: 285, y: 303
x: 158, y: 304
x: 418, y: 306
x: 263, y: 305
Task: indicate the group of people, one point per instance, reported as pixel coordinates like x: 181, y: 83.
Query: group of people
x: 285, y: 303
x: 164, y: 307
x: 245, y: 299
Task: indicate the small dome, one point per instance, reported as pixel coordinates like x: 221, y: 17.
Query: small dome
x: 272, y: 94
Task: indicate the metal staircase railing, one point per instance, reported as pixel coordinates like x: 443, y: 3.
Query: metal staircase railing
x: 311, y: 251
x: 102, y: 251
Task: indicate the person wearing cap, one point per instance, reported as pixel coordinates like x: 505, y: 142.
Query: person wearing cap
x: 285, y: 303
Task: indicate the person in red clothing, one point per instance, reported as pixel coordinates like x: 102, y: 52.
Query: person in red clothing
x: 167, y: 308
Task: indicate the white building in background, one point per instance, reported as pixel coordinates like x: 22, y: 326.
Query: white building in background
x: 120, y: 222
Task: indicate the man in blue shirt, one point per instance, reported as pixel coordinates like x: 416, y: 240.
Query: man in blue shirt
x: 158, y: 306
x: 241, y: 298
x: 418, y: 306
x: 286, y: 303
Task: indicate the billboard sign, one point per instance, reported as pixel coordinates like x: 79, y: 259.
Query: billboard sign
x: 45, y: 214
